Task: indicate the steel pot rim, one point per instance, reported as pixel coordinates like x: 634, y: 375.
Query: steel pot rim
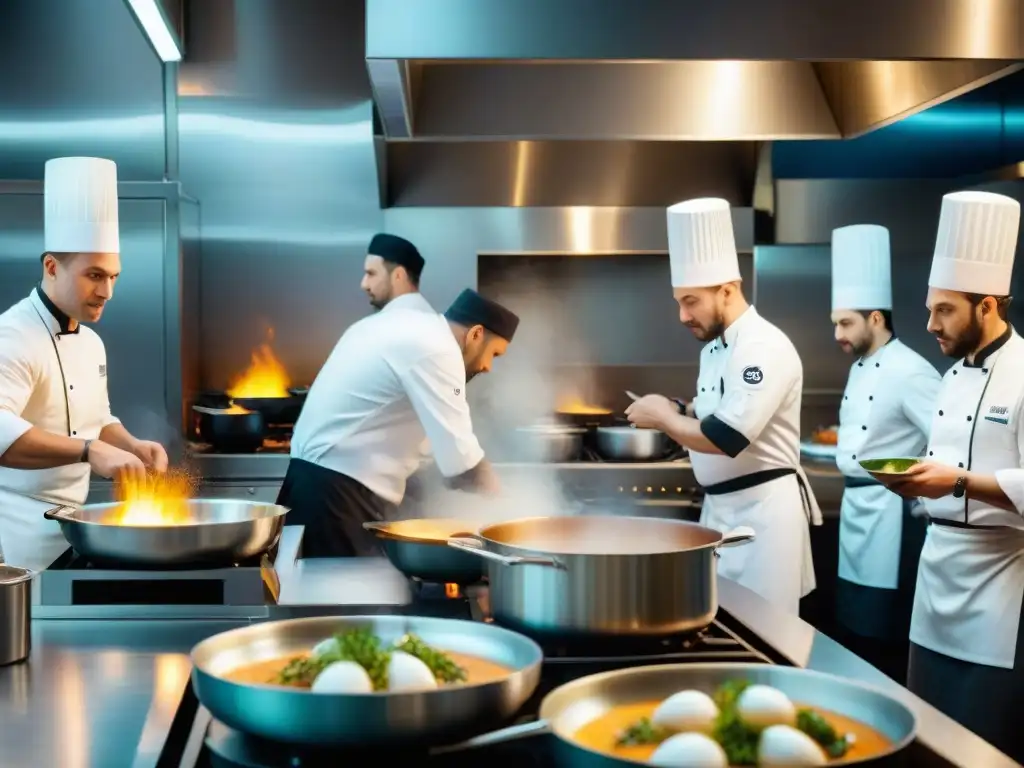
x: 21, y: 576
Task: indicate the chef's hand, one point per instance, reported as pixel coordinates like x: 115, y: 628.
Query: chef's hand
x: 928, y: 480
x: 652, y: 411
x: 114, y: 464
x: 152, y: 454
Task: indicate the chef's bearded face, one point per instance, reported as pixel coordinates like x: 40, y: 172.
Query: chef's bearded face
x: 857, y: 332
x: 702, y: 310
x: 479, y: 350
x: 81, y: 284
x: 384, y: 280
x: 960, y: 320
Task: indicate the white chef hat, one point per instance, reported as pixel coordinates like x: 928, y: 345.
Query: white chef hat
x: 701, y: 244
x: 80, y: 196
x: 861, y: 273
x: 976, y: 243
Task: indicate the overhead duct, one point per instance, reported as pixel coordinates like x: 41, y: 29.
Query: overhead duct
x: 731, y: 70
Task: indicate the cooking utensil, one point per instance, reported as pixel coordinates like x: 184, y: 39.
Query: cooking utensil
x: 601, y: 574
x: 231, y: 430
x: 275, y: 410
x: 569, y: 707
x: 631, y: 443
x: 219, y: 531
x: 383, y: 719
x: 554, y: 443
x: 419, y: 549
x: 632, y: 396
x: 15, y: 614
x: 887, y: 468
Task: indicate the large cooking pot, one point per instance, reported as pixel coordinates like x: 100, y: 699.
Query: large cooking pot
x: 376, y: 720
x: 601, y: 574
x: 631, y: 444
x: 233, y: 429
x: 553, y: 443
x: 217, y: 532
x: 419, y: 549
x: 569, y: 707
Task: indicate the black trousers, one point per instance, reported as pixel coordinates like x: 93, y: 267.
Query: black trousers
x: 333, y: 508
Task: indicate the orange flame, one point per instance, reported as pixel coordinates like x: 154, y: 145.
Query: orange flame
x: 157, y: 500
x: 575, y: 405
x: 265, y: 376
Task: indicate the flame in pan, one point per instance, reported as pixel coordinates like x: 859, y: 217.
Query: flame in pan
x: 157, y: 500
x: 576, y: 405
x: 265, y: 376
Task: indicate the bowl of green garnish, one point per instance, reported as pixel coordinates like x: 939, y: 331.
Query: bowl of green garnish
x: 888, y: 467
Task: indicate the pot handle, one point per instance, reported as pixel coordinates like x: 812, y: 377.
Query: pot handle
x: 375, y: 526
x: 462, y: 543
x: 743, y: 534
x: 60, y: 513
x: 502, y: 736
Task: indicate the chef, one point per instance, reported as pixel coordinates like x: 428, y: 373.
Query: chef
x: 886, y: 412
x: 393, y: 379
x: 966, y: 657
x: 392, y: 268
x: 743, y: 427
x: 55, y: 420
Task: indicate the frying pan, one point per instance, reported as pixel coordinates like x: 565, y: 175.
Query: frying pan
x: 276, y: 410
x: 567, y: 708
x: 419, y: 549
x: 374, y: 720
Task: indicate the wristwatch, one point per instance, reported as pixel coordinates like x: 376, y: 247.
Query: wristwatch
x: 680, y: 405
x: 84, y: 458
x: 960, y: 487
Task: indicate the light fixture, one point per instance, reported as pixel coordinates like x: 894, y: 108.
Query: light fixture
x: 150, y: 17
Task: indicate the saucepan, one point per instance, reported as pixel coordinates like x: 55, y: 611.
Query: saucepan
x: 587, y: 715
x: 550, y: 442
x: 207, y: 532
x: 610, y: 575
x: 419, y: 549
x: 380, y: 720
x: 626, y: 443
x: 233, y: 429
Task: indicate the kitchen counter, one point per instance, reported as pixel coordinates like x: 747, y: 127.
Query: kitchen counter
x: 105, y: 693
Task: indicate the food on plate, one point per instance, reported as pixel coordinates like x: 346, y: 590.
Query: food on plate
x: 826, y: 436
x: 693, y: 750
x: 748, y: 724
x: 888, y: 466
x: 357, y: 661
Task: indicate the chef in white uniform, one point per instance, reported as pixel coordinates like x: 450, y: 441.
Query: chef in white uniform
x: 886, y: 412
x: 966, y: 654
x: 394, y: 379
x: 743, y: 427
x: 55, y: 420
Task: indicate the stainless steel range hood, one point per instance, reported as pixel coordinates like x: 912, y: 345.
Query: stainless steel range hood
x: 688, y: 70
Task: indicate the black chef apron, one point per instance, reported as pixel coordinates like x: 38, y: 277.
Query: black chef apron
x: 986, y: 700
x: 876, y: 622
x: 333, y: 508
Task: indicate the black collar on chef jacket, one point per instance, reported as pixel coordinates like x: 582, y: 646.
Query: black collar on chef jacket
x: 62, y: 319
x: 986, y: 352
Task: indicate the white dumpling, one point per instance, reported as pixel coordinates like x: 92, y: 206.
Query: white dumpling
x: 407, y: 673
x: 686, y: 711
x: 762, y: 705
x: 692, y: 750
x: 325, y: 647
x: 783, y: 745
x: 343, y: 677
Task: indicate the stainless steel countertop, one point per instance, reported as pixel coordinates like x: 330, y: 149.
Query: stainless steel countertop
x: 104, y: 693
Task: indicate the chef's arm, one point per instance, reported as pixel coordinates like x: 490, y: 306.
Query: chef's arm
x: 690, y: 433
x: 988, y: 490
x: 480, y: 479
x: 35, y: 448
x: 116, y: 435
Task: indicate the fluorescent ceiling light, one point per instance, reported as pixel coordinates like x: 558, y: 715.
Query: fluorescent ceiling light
x: 151, y: 19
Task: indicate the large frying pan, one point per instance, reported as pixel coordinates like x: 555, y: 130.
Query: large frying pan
x: 375, y: 720
x: 419, y: 549
x: 218, y: 532
x: 567, y: 708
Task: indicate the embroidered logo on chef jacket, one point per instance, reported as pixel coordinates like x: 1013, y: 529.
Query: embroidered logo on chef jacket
x: 1000, y: 414
x: 457, y: 391
x: 752, y: 375
x: 103, y: 371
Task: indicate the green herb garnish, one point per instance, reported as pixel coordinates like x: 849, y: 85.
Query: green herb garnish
x: 642, y: 732
x: 441, y: 664
x: 738, y: 739
x: 819, y: 729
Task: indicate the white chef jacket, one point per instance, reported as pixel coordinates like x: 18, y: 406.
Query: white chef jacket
x: 970, y: 581
x: 56, y: 381
x: 886, y: 412
x: 748, y: 399
x: 393, y: 379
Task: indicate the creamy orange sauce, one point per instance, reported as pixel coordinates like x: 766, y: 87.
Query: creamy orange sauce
x: 266, y: 672
x: 601, y: 733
